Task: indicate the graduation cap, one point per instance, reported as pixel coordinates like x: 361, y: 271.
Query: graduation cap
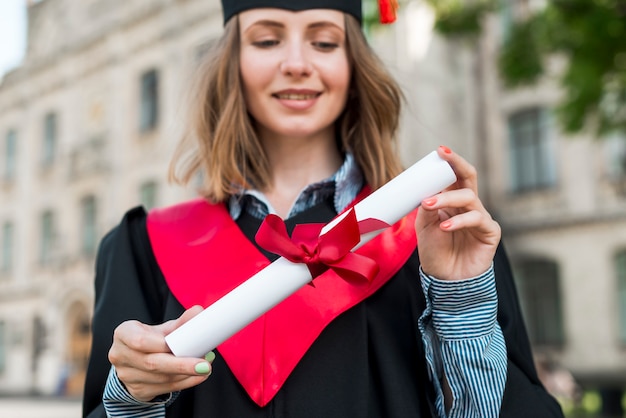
x: 387, y: 8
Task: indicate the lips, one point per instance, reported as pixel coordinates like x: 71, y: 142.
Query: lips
x: 297, y: 100
x: 297, y: 95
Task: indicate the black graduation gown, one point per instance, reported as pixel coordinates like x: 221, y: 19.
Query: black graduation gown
x: 369, y: 362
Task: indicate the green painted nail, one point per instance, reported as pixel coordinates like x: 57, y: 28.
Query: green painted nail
x: 210, y: 356
x: 203, y: 368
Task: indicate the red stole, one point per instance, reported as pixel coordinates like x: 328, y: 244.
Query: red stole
x: 204, y: 255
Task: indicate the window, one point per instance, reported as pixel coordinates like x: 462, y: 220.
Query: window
x: 615, y: 151
x: 149, y: 112
x: 506, y: 17
x: 89, y: 238
x: 10, y: 155
x: 48, y: 233
x: 148, y: 194
x: 7, y: 248
x: 620, y: 267
x: 3, y: 346
x: 532, y: 158
x: 40, y: 342
x: 512, y: 11
x: 49, y: 139
x: 538, y: 282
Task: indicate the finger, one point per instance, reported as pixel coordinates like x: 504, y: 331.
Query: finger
x: 131, y: 376
x: 465, y: 172
x: 457, y: 199
x: 478, y: 221
x: 151, y: 339
x: 139, y: 337
x: 170, y: 326
x: 146, y: 391
x: 166, y: 364
x: 427, y: 215
x: 172, y: 365
x: 148, y: 375
x: 152, y: 375
x: 210, y: 356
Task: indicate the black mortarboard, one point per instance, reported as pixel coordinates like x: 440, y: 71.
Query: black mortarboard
x: 232, y: 7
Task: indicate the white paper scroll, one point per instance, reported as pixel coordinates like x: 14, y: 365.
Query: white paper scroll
x: 282, y: 278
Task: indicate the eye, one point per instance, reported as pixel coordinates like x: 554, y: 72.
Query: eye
x: 325, y: 46
x: 266, y: 43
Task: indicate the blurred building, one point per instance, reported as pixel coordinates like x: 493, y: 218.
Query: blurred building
x: 561, y: 201
x: 88, y: 123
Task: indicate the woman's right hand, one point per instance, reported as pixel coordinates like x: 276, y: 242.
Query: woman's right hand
x: 145, y: 364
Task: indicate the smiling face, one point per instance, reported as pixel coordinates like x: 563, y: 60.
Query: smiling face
x: 295, y: 71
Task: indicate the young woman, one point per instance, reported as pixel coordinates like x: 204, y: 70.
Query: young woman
x: 296, y: 116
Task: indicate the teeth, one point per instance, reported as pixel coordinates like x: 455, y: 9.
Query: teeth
x: 292, y: 96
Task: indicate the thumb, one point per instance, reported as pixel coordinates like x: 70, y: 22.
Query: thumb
x: 170, y: 326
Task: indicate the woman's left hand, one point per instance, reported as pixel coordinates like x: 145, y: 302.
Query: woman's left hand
x: 457, y: 238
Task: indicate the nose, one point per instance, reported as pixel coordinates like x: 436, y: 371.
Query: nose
x: 295, y: 62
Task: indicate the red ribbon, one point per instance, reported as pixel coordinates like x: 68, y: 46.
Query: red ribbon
x: 388, y: 9
x: 321, y: 252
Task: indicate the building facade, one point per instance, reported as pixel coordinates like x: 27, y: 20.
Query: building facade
x: 562, y: 205
x: 89, y: 120
x: 88, y: 123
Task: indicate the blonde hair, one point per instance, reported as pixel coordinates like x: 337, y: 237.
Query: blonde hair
x: 221, y: 143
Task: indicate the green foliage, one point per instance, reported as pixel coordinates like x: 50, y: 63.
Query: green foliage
x: 590, y: 34
x: 458, y: 18
x: 520, y: 60
x: 455, y: 18
x: 370, y: 15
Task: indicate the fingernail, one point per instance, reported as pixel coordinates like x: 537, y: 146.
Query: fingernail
x: 210, y: 356
x: 430, y: 201
x: 446, y: 224
x: 446, y: 149
x: 203, y: 368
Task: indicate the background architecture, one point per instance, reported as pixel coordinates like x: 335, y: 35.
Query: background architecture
x: 89, y: 120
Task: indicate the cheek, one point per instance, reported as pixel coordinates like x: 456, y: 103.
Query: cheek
x: 253, y: 73
x: 247, y: 79
x: 339, y: 76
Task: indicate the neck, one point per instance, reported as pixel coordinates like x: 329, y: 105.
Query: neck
x: 296, y: 163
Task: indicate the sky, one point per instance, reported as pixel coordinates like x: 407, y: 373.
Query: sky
x: 12, y: 33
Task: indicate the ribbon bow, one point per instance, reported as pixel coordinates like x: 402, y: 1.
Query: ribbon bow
x: 321, y: 252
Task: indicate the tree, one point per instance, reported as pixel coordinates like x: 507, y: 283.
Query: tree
x: 589, y: 34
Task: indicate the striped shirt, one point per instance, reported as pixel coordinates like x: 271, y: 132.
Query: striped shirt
x: 461, y: 336
x: 345, y: 184
x: 463, y: 341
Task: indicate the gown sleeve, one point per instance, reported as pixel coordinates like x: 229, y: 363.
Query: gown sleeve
x: 524, y: 395
x: 125, y: 288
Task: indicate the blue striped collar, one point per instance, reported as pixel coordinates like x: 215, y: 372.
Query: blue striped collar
x: 345, y: 184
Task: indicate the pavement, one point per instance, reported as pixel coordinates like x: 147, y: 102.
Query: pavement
x: 39, y: 408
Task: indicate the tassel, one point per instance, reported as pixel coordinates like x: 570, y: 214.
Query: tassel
x: 388, y: 10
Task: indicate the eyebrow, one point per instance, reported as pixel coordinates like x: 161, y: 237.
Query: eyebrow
x: 324, y: 24
x: 265, y: 22
x: 273, y: 23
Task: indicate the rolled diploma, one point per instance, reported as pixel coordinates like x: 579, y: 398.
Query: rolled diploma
x: 279, y: 280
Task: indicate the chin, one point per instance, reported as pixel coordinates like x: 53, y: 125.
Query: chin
x: 303, y: 131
